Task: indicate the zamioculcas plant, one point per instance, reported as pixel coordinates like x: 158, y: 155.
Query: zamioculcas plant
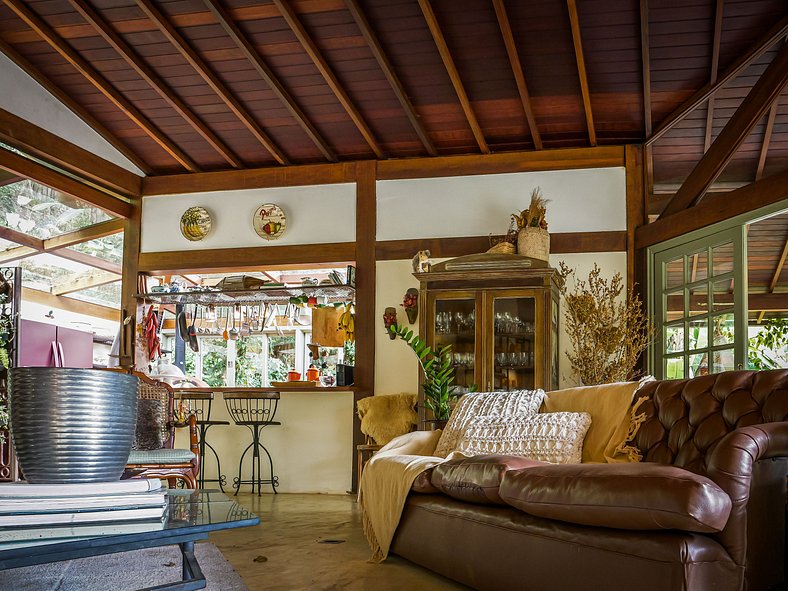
x: 439, y: 389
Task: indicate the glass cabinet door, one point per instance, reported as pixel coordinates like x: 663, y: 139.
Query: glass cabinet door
x: 513, y: 355
x: 453, y: 320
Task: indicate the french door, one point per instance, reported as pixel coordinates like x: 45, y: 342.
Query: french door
x: 700, y: 305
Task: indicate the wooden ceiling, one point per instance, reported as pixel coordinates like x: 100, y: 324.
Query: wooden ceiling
x: 188, y: 85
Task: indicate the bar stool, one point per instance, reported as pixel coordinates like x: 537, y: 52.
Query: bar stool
x: 199, y: 404
x: 255, y: 410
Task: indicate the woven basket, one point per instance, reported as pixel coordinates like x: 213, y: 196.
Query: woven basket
x: 534, y: 243
x: 502, y: 248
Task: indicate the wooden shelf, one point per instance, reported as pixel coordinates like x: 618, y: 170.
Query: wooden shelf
x: 273, y: 295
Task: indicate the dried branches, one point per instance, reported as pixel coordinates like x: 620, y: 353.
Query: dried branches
x: 535, y: 215
x: 608, y: 332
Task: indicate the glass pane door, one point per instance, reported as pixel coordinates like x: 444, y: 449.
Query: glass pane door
x: 702, y: 312
x: 455, y: 325
x: 515, y: 357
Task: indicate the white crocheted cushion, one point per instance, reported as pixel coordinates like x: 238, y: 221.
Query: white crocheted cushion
x: 555, y: 437
x: 504, y: 405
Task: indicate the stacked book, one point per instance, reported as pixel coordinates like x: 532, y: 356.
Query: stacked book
x: 44, y: 511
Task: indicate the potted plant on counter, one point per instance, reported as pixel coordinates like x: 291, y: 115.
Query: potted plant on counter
x: 438, y: 386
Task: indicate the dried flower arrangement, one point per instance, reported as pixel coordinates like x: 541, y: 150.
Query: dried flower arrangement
x: 608, y: 332
x: 535, y: 215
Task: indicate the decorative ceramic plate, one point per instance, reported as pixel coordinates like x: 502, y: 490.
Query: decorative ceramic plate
x: 269, y: 221
x: 195, y: 223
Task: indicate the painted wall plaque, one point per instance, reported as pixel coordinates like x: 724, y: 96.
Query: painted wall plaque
x: 195, y: 223
x: 269, y: 221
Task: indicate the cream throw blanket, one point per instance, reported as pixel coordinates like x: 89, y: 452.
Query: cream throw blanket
x: 386, y: 481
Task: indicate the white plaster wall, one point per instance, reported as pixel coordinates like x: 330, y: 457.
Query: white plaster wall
x: 26, y: 98
x: 580, y: 201
x: 312, y: 449
x: 315, y: 214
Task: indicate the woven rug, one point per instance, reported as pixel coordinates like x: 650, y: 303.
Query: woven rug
x: 125, y: 571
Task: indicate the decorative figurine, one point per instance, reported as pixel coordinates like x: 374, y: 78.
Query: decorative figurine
x: 390, y: 319
x: 421, y: 262
x: 411, y: 304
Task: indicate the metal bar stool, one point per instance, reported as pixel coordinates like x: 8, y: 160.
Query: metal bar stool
x: 255, y: 410
x: 199, y: 404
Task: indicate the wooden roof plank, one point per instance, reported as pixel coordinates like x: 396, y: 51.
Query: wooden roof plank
x: 328, y: 75
x: 715, y: 66
x: 517, y: 70
x: 46, y: 32
x: 74, y: 107
x: 764, y: 92
x: 774, y: 34
x: 581, y: 69
x: 391, y: 76
x: 94, y: 232
x: 88, y: 281
x: 265, y: 72
x: 152, y: 11
x: 135, y: 61
x: 767, y: 138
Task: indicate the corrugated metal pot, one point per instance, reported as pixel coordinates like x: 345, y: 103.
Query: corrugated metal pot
x: 71, y: 425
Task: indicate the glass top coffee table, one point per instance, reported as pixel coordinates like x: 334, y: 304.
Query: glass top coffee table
x: 191, y: 516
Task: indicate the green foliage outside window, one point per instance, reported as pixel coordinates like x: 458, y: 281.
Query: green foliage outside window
x: 248, y: 362
x: 769, y: 348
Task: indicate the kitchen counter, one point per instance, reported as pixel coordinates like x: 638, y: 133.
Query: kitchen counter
x: 239, y: 390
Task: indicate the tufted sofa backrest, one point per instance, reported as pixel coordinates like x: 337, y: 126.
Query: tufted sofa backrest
x: 686, y: 419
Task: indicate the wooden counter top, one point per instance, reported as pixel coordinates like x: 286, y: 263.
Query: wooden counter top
x: 239, y: 390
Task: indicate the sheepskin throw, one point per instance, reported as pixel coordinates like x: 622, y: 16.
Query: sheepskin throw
x: 515, y: 404
x: 385, y: 417
x: 555, y: 437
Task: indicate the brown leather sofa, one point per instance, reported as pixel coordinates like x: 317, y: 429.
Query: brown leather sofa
x: 705, y: 510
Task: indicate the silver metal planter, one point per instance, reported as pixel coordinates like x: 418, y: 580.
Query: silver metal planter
x: 72, y: 425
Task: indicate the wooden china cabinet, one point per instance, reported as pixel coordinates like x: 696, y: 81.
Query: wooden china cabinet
x: 500, y: 315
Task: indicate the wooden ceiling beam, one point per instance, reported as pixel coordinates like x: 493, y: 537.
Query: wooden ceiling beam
x: 146, y: 73
x: 21, y: 238
x: 328, y: 75
x: 774, y: 34
x: 715, y: 66
x: 86, y: 281
x: 45, y: 175
x: 767, y: 138
x: 93, y: 232
x: 388, y: 71
x: 645, y: 64
x: 517, y: 70
x: 152, y: 11
x: 98, y: 81
x: 16, y: 254
x: 73, y: 106
x: 70, y: 304
x: 265, y: 72
x: 87, y: 259
x: 454, y: 74
x: 581, y: 69
x: 716, y: 208
x: 760, y: 98
x: 38, y: 142
x: 776, y: 277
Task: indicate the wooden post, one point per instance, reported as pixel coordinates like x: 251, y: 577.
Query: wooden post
x: 128, y: 303
x: 366, y: 233
x: 636, y: 207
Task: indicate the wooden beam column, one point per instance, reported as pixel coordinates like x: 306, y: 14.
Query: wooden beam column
x: 636, y: 212
x: 366, y: 233
x: 128, y: 303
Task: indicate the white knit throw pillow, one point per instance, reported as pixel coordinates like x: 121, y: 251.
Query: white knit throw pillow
x: 502, y: 405
x: 555, y: 437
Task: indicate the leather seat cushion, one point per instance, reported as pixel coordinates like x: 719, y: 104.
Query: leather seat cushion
x: 640, y: 496
x: 477, y: 479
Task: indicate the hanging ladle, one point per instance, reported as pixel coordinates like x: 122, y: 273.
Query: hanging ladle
x: 225, y: 333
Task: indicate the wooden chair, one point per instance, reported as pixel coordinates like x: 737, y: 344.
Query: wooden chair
x: 154, y: 454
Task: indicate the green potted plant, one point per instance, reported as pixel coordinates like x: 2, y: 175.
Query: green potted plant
x: 438, y: 386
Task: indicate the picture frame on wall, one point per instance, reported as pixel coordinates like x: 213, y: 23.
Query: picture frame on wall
x: 351, y: 276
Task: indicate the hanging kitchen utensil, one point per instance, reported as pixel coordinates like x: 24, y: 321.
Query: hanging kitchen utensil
x: 234, y: 331
x: 193, y: 343
x: 256, y: 315
x: 226, y: 333
x: 183, y: 326
x: 245, y: 327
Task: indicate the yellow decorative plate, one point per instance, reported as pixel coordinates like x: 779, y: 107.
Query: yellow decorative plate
x: 195, y: 223
x: 269, y: 221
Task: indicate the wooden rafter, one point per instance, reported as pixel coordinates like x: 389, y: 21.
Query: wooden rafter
x: 70, y: 304
x: 86, y: 281
x: 327, y: 73
x: 388, y: 71
x: 715, y: 66
x: 16, y: 254
x: 93, y: 232
x: 517, y: 70
x: 87, y: 259
x: 577, y: 41
x: 73, y: 106
x: 98, y: 81
x: 774, y: 34
x: 767, y: 138
x: 454, y: 74
x: 763, y: 93
x: 21, y: 238
x: 776, y: 277
x: 152, y: 11
x: 135, y: 61
x: 645, y: 64
x: 246, y: 47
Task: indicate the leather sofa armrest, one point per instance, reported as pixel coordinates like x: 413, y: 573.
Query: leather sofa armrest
x: 641, y: 496
x: 731, y: 467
